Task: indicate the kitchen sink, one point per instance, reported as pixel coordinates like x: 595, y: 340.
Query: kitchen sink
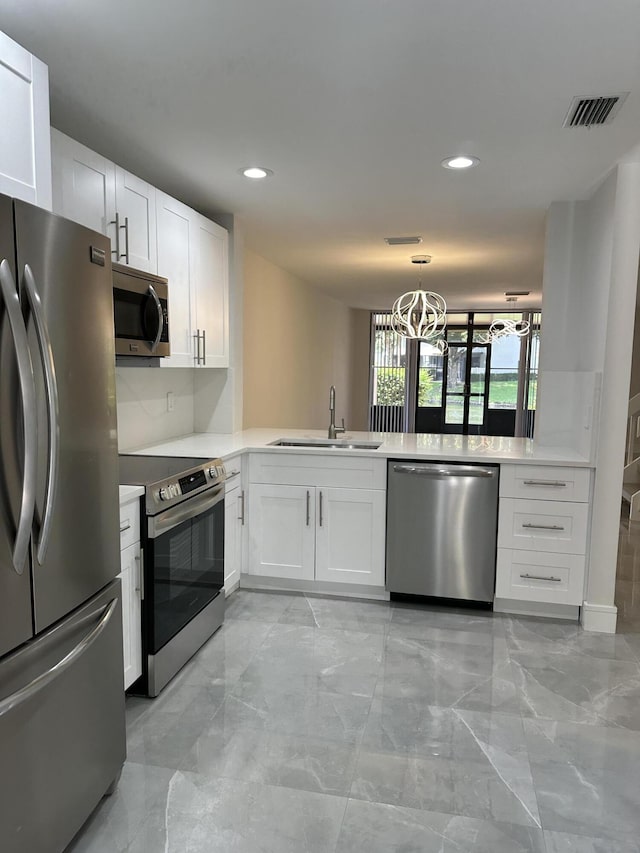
x: 346, y: 444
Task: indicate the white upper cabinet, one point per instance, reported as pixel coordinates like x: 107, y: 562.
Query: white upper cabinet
x: 151, y: 231
x: 210, y: 294
x: 193, y: 256
x: 25, y: 150
x: 84, y: 185
x: 93, y: 191
x: 176, y: 242
x: 136, y: 211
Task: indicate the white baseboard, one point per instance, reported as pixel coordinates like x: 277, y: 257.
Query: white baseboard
x: 534, y: 608
x: 599, y: 617
x: 229, y: 589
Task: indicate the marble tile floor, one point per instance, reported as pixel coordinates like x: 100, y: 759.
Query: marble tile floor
x: 316, y: 725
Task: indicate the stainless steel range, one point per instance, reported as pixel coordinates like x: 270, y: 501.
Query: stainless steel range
x: 183, y: 558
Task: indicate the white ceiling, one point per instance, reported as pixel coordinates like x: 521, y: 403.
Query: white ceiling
x: 353, y: 104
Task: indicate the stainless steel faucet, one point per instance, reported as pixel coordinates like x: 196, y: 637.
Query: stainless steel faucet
x: 333, y: 429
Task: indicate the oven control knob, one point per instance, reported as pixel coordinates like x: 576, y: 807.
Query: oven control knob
x: 163, y: 494
x: 213, y: 472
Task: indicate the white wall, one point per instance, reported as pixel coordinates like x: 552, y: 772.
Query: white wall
x: 588, y: 309
x: 141, y: 394
x: 298, y: 342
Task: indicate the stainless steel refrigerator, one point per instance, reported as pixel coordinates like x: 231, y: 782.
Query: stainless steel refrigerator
x: 62, y: 731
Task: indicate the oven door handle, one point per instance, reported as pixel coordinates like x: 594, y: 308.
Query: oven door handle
x: 190, y: 508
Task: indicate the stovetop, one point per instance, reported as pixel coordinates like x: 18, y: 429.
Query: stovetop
x: 170, y: 480
x: 148, y: 470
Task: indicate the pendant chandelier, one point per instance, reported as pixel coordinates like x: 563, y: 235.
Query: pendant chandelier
x: 421, y: 314
x: 506, y: 328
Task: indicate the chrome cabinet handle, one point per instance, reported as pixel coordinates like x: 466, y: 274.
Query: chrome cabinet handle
x: 28, y: 392
x: 154, y: 296
x: 231, y: 474
x: 543, y: 526
x: 320, y: 514
x: 53, y: 410
x: 116, y: 222
x: 41, y: 681
x: 140, y: 587
x: 125, y: 255
x: 308, y: 506
x: 241, y: 516
x: 124, y: 527
x: 196, y: 338
x: 541, y: 578
x: 554, y: 483
x: 204, y: 347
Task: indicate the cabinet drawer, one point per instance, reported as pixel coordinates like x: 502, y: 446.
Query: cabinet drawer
x: 233, y: 468
x: 547, y: 578
x: 545, y: 482
x: 543, y: 526
x: 330, y: 469
x: 129, y: 523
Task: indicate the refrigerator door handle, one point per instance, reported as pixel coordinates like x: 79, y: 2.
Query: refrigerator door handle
x: 57, y: 669
x: 53, y: 408
x: 28, y: 391
x: 155, y: 298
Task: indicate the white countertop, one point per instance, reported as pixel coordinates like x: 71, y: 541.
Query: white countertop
x: 128, y: 493
x: 471, y: 448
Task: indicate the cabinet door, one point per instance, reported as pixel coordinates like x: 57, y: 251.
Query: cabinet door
x: 282, y: 533
x: 130, y: 577
x: 136, y: 206
x: 211, y: 291
x: 25, y: 148
x: 350, y: 536
x: 176, y: 232
x: 233, y: 515
x: 84, y: 186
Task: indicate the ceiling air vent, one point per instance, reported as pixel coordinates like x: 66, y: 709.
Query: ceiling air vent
x: 589, y: 112
x: 402, y: 241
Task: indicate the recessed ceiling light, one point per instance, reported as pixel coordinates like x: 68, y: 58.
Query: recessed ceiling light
x: 462, y: 161
x: 256, y: 172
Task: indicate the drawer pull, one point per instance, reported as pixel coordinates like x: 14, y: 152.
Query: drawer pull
x: 124, y: 527
x: 543, y: 526
x: 541, y: 578
x: 557, y: 484
x: 232, y: 474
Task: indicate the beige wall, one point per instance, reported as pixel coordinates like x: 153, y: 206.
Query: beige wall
x: 297, y: 343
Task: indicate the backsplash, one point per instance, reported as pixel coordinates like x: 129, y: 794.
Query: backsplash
x: 143, y: 417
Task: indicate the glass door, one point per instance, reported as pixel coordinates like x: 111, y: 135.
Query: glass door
x: 465, y: 388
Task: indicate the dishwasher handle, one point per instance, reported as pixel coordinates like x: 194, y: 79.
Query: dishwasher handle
x: 431, y: 470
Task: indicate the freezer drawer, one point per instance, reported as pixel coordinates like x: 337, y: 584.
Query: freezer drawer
x: 441, y: 530
x: 62, y: 726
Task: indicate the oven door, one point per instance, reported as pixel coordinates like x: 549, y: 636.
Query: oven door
x: 184, y: 564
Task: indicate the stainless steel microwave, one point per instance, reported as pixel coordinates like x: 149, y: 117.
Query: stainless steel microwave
x: 140, y: 312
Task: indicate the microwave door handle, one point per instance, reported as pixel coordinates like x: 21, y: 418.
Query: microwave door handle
x: 53, y: 408
x: 155, y: 298
x: 11, y: 300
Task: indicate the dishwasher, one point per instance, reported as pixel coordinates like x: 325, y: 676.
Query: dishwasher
x: 442, y: 521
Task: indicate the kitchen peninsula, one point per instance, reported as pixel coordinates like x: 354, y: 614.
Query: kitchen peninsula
x: 312, y: 517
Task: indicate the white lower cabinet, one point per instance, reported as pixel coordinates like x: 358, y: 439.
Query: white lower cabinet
x: 350, y: 536
x: 310, y: 533
x: 130, y: 578
x: 543, y: 524
x: 233, y: 529
x: 282, y: 531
